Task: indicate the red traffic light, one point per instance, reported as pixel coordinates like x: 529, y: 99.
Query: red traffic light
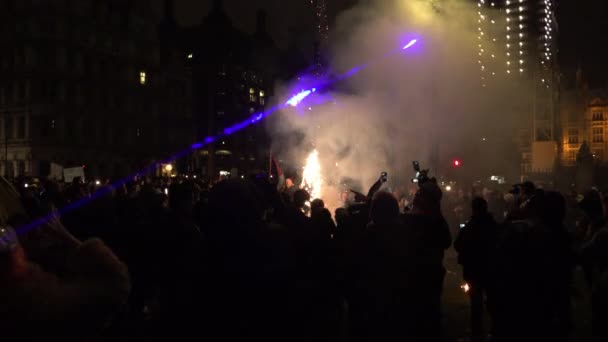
x: 457, y: 163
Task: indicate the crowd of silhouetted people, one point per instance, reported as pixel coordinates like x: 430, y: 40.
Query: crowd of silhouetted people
x: 249, y: 259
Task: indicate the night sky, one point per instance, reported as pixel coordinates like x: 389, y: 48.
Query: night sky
x: 281, y: 14
x: 581, y: 35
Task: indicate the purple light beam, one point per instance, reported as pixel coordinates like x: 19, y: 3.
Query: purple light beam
x: 294, y: 101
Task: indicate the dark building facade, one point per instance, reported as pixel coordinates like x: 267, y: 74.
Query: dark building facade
x: 233, y: 74
x: 82, y: 83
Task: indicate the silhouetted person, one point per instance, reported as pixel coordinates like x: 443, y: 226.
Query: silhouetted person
x: 290, y: 189
x: 560, y: 266
x: 321, y: 220
x: 476, y: 244
x: 528, y: 261
x: 428, y: 236
x: 249, y: 283
x: 379, y: 276
x: 594, y: 258
x: 182, y: 262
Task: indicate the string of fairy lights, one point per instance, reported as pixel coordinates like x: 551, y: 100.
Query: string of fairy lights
x: 515, y: 35
x: 519, y: 41
x: 548, y: 28
x: 481, y: 21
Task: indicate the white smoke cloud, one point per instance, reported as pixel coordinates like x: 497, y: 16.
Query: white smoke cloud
x: 398, y: 107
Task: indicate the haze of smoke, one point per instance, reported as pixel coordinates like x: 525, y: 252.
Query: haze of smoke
x: 393, y: 111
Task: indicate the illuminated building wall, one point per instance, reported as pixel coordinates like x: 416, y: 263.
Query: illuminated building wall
x: 81, y: 83
x: 584, y: 117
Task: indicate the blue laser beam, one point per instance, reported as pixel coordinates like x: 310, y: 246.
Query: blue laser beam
x: 293, y: 101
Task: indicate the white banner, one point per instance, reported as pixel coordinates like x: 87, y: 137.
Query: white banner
x: 70, y: 173
x: 56, y: 171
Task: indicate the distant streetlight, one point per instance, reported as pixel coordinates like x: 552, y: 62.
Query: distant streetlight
x: 168, y: 167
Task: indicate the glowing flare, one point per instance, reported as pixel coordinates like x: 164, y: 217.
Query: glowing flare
x: 311, y: 178
x: 295, y: 100
x: 466, y: 288
x: 410, y: 44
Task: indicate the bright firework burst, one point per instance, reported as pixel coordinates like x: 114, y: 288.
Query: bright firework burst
x: 311, y: 178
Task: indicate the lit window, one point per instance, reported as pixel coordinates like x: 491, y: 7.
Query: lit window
x: 598, y: 116
x: 573, y: 136
x: 190, y: 55
x: 142, y: 77
x: 598, y: 134
x: 251, y: 91
x: 262, y: 94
